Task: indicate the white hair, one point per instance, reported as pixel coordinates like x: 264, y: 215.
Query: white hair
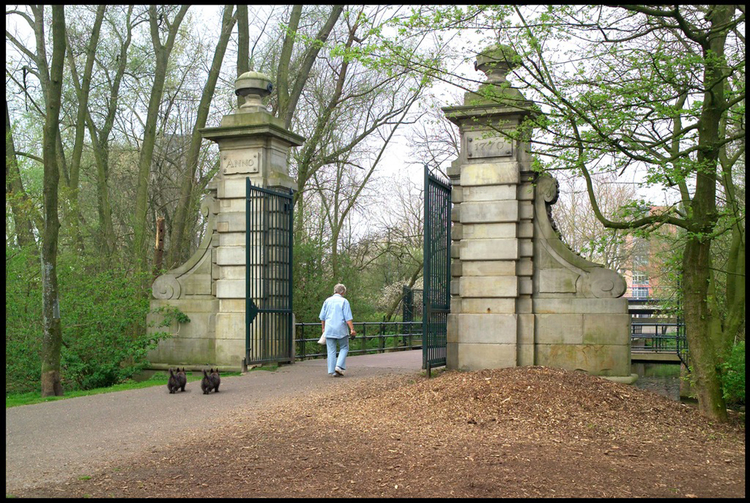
x: 340, y: 289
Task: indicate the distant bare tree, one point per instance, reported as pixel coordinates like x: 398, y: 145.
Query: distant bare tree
x: 159, y: 22
x: 580, y: 228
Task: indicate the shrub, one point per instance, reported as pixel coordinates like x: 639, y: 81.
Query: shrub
x: 104, y: 326
x: 733, y: 375
x: 23, y: 321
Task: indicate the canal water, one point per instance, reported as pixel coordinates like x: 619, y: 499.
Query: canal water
x: 661, y: 378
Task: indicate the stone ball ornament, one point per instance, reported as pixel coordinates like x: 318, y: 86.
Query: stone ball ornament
x: 496, y: 61
x: 253, y: 83
x: 253, y: 87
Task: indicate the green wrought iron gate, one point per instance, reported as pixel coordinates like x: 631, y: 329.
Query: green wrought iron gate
x: 437, y: 270
x: 269, y: 323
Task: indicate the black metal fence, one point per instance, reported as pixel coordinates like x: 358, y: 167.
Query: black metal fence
x: 268, y: 275
x: 372, y: 337
x: 655, y: 330
x: 651, y: 331
x: 437, y: 270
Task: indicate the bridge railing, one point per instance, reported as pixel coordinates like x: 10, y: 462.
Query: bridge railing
x: 655, y: 337
x: 372, y: 337
x: 651, y: 331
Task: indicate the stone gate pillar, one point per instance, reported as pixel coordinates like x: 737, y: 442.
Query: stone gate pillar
x: 491, y: 320
x: 210, y: 287
x: 519, y: 296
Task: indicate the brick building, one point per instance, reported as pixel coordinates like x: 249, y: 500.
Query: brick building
x: 645, y: 273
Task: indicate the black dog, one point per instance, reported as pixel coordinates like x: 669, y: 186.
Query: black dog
x: 181, y: 378
x: 215, y: 379
x: 173, y: 383
x: 210, y: 381
x: 206, y: 384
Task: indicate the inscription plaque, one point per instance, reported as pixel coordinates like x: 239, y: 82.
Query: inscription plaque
x: 239, y: 162
x: 478, y: 146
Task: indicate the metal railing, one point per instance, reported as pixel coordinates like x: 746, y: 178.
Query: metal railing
x: 655, y: 334
x: 372, y: 337
x: 655, y: 337
x: 648, y: 334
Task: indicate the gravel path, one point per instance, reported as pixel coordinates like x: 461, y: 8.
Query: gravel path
x: 53, y: 441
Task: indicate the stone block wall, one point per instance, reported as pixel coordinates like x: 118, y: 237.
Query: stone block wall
x: 582, y: 320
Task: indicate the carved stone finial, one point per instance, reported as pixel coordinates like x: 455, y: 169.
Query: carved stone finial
x: 496, y: 61
x: 253, y: 86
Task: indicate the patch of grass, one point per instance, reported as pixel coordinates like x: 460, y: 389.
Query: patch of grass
x: 435, y: 372
x: 159, y: 379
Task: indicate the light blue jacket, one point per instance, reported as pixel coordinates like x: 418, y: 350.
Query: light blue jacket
x: 336, y: 312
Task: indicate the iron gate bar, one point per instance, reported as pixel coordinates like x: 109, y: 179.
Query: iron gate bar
x: 436, y: 289
x: 268, y: 275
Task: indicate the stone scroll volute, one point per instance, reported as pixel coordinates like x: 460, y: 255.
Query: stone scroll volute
x: 591, y: 279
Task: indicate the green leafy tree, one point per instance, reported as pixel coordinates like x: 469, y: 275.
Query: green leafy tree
x: 104, y: 345
x: 23, y: 320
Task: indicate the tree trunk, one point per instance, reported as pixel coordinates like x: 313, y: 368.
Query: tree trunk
x: 701, y: 329
x: 243, y: 45
x: 735, y: 289
x: 82, y: 93
x: 179, y: 240
x: 413, y: 279
x: 158, y: 247
x: 100, y: 146
x: 40, y: 58
x: 162, y: 53
x: 285, y: 60
x: 52, y: 341
x: 698, y: 330
x: 106, y: 236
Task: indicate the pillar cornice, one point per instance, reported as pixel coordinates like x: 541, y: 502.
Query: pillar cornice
x: 252, y: 127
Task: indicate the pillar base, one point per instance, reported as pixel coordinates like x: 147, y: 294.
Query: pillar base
x: 632, y: 378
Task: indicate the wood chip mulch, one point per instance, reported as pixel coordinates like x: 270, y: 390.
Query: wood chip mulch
x: 515, y: 432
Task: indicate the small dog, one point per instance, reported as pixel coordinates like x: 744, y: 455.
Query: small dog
x: 173, y: 383
x: 215, y: 379
x: 181, y: 378
x: 210, y: 381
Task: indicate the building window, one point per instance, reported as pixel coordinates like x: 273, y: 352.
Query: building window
x: 640, y: 278
x: 640, y: 261
x: 640, y: 292
x: 641, y: 252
